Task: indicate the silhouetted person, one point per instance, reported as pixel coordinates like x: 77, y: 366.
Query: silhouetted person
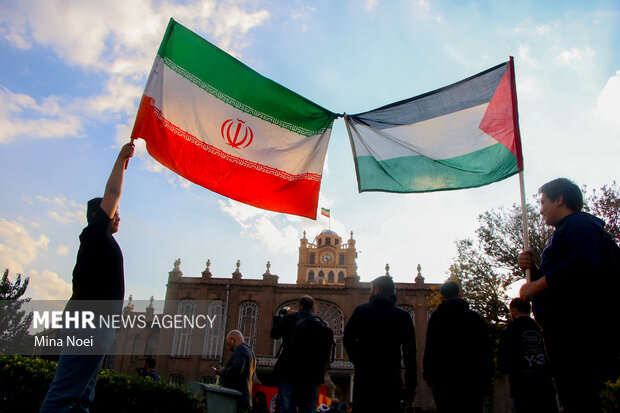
x: 98, y: 275
x: 574, y: 297
x: 458, y: 361
x: 522, y: 356
x: 375, y: 337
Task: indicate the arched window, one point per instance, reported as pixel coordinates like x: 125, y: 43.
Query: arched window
x: 248, y: 321
x: 311, y: 276
x: 341, y: 259
x: 312, y: 258
x: 331, y: 277
x: 410, y: 310
x: 321, y: 277
x: 320, y: 241
x: 214, y: 336
x: 135, y: 350
x: 328, y: 241
x: 341, y: 276
x: 151, y: 344
x: 182, y: 339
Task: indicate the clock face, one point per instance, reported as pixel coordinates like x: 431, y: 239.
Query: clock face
x: 326, y: 258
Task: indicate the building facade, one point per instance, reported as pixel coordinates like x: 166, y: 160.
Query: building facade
x: 327, y: 271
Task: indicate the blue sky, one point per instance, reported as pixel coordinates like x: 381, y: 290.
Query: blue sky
x: 72, y: 74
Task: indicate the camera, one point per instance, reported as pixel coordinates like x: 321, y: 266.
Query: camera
x: 284, y: 311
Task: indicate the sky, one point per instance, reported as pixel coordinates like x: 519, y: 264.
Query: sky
x: 73, y: 72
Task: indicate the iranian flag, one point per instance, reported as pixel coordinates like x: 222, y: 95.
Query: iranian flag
x: 461, y: 136
x: 218, y: 123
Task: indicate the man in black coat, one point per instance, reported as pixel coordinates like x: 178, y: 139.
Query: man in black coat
x: 375, y: 336
x: 239, y: 370
x: 458, y: 361
x: 298, y: 380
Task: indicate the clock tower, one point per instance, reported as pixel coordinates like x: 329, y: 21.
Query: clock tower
x: 327, y: 260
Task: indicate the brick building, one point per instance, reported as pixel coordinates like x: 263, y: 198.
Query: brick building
x: 326, y: 270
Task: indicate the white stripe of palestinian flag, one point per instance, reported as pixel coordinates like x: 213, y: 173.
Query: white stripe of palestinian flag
x: 219, y: 124
x: 462, y: 136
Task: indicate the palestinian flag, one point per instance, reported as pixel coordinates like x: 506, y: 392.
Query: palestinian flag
x: 461, y: 136
x: 216, y: 122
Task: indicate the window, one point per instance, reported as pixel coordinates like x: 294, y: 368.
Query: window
x: 208, y: 379
x: 410, y: 310
x: 151, y: 344
x: 341, y: 259
x: 328, y: 241
x: 182, y: 339
x: 341, y: 276
x: 321, y: 277
x: 135, y: 350
x: 331, y: 277
x: 176, y: 379
x: 312, y: 258
x: 320, y: 241
x: 214, y: 335
x: 336, y: 241
x: 248, y: 322
x: 311, y: 276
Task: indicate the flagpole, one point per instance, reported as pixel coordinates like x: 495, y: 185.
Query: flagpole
x: 526, y: 237
x: 517, y: 135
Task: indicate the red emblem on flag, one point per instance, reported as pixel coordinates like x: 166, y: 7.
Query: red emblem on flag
x: 231, y: 135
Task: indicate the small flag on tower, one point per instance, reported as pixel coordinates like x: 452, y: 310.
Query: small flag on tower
x: 325, y: 211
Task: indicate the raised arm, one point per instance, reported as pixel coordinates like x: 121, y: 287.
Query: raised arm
x: 113, y: 187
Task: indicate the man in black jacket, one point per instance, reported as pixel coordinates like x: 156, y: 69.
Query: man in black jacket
x: 239, y: 370
x: 458, y: 361
x: 298, y: 381
x: 522, y: 356
x: 577, y: 266
x: 374, y: 338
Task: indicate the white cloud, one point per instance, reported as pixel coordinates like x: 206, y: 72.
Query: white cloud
x: 265, y: 226
x: 17, y: 247
x: 575, y: 55
x: 62, y: 250
x: 63, y: 210
x: 371, y: 4
x: 608, y: 103
x: 46, y: 285
x: 21, y: 115
x: 119, y: 39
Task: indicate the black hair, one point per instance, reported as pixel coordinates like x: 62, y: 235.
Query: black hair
x: 519, y: 304
x: 573, y: 198
x: 306, y: 302
x: 91, y: 208
x: 150, y: 361
x: 384, y: 283
x: 450, y: 289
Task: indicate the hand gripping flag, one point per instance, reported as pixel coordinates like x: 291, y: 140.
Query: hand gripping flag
x: 461, y: 136
x: 221, y: 125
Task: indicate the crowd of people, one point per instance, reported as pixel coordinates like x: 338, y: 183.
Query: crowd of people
x: 564, y: 355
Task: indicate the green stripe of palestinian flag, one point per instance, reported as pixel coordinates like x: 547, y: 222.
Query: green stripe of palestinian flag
x: 219, y: 124
x: 462, y: 136
x: 220, y: 74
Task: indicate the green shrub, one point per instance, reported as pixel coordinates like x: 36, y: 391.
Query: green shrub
x: 24, y: 382
x: 611, y: 397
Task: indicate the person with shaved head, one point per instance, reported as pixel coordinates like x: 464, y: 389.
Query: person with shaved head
x: 238, y: 373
